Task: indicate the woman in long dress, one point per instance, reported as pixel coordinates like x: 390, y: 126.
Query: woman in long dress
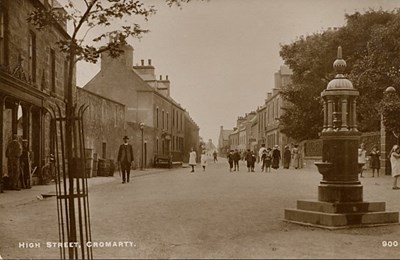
x: 192, y: 159
x: 395, y: 162
x: 276, y: 157
x: 296, y: 156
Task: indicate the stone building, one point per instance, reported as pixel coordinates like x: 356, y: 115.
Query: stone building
x: 269, y: 113
x: 243, y: 136
x: 223, y: 142
x: 32, y: 77
x: 147, y: 100
x: 192, y: 138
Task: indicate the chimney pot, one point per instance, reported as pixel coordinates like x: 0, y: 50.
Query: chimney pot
x: 166, y: 77
x: 142, y: 62
x: 160, y: 77
x: 149, y: 62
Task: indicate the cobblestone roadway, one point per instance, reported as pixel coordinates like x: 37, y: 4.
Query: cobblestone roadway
x: 215, y: 214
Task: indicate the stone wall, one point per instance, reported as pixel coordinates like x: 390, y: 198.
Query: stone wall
x: 104, y: 124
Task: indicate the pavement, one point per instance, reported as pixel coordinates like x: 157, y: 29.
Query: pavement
x: 212, y: 214
x: 37, y: 192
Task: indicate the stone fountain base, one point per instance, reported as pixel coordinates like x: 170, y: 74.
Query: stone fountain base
x: 335, y: 215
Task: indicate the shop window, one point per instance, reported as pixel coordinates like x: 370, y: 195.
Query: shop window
x: 32, y: 55
x: 65, y: 79
x: 2, y: 38
x: 53, y: 70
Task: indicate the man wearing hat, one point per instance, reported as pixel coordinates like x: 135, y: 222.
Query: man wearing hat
x: 125, y: 158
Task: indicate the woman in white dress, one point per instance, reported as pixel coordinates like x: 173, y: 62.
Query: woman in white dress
x: 192, y: 159
x: 362, y: 158
x: 395, y: 162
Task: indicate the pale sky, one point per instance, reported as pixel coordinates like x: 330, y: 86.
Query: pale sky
x: 221, y: 55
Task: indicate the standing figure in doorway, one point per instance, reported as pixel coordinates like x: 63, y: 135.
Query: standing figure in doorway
x: 276, y: 157
x: 192, y: 159
x: 25, y: 161
x: 125, y: 159
x: 13, y: 154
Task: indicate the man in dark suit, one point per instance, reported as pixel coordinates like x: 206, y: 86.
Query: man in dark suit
x: 125, y: 158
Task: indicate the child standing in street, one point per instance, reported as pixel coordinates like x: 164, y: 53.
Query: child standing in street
x: 203, y: 160
x: 375, y: 160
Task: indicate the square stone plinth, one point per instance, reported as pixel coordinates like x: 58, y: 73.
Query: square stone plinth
x: 343, y: 207
x: 340, y: 215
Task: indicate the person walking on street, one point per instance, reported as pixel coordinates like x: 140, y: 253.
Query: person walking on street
x: 287, y: 156
x: 276, y: 157
x: 13, y: 154
x: 215, y: 155
x: 362, y: 158
x: 250, y: 159
x: 125, y: 159
x: 204, y: 159
x: 236, y: 159
x: 266, y: 160
x: 230, y: 160
x: 375, y: 160
x: 395, y: 162
x: 296, y: 156
x: 192, y: 159
x: 260, y: 152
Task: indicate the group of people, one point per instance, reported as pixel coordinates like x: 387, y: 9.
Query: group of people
x: 18, y: 164
x: 203, y: 159
x: 373, y: 159
x: 267, y: 157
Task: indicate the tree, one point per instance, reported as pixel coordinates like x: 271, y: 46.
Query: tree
x: 369, y: 46
x: 390, y: 109
x: 85, y: 16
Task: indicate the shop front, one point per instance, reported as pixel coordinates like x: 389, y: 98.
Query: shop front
x: 23, y: 115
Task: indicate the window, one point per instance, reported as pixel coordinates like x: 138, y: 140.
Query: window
x: 173, y: 118
x: 163, y: 120
x: 157, y: 122
x: 116, y: 116
x: 104, y: 151
x: 2, y: 39
x: 53, y: 70
x: 167, y: 120
x: 65, y: 79
x: 32, y: 55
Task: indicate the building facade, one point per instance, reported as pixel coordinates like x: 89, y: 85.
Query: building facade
x: 33, y: 78
x: 147, y: 100
x: 223, y: 142
x: 270, y: 112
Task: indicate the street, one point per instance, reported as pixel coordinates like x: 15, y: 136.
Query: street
x: 211, y: 214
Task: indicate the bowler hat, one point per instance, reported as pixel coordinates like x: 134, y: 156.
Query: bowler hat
x: 125, y: 137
